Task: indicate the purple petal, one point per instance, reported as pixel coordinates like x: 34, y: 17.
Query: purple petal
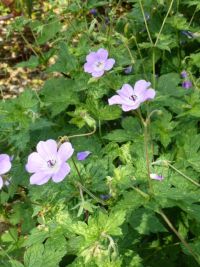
x: 35, y: 162
x: 102, y: 54
x: 133, y: 107
x: 5, y: 164
x: 184, y: 74
x: 149, y: 94
x: 39, y: 178
x: 63, y: 171
x: 187, y: 84
x: 47, y: 149
x: 65, y: 151
x: 92, y: 57
x: 128, y: 70
x: 126, y: 91
x: 97, y: 73
x: 140, y: 87
x: 88, y: 67
x: 116, y: 99
x: 1, y: 182
x: 155, y: 176
x: 83, y: 155
x: 109, y: 64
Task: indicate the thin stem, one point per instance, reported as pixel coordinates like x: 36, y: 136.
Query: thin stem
x: 147, y: 157
x: 66, y: 138
x: 145, y: 21
x: 196, y: 9
x: 145, y: 125
x: 153, y: 68
x: 29, y: 45
x: 163, y: 23
x: 91, y: 194
x: 168, y: 222
x: 184, y: 175
x: 143, y: 194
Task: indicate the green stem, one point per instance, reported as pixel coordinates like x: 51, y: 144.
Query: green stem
x: 66, y: 138
x: 153, y: 68
x: 145, y: 125
x: 187, y: 246
x: 184, y: 175
x: 163, y: 23
x: 91, y: 194
x: 145, y: 21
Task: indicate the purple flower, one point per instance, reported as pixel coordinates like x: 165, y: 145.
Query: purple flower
x: 93, y: 12
x: 83, y: 155
x: 186, y: 84
x: 105, y: 197
x: 5, y: 166
x: 130, y: 98
x: 155, y: 176
x: 128, y: 70
x: 98, y: 62
x: 184, y: 74
x: 49, y: 162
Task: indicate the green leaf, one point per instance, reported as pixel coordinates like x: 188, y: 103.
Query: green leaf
x: 66, y: 62
x: 49, y: 31
x: 59, y: 94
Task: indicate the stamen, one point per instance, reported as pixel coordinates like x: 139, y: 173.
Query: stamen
x: 133, y: 97
x: 51, y: 163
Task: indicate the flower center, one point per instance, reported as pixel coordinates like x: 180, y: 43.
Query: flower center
x: 51, y: 163
x: 133, y: 97
x: 99, y: 65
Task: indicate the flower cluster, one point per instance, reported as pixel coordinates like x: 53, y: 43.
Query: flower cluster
x: 50, y: 160
x: 186, y: 82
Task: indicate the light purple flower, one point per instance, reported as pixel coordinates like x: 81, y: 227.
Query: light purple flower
x: 83, y: 155
x: 130, y: 98
x: 184, y: 74
x: 156, y: 176
x: 5, y: 166
x: 49, y: 162
x: 98, y: 62
x: 187, y: 84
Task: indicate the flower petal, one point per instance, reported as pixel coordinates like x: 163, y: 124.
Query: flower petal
x: 91, y: 57
x: 83, y: 155
x: 47, y: 149
x: 150, y: 94
x: 102, y: 54
x: 116, y: 99
x: 5, y: 164
x: 109, y: 64
x: 35, y: 162
x: 62, y: 173
x: 97, y: 73
x: 65, y: 151
x: 126, y: 91
x: 155, y: 176
x: 1, y: 182
x: 140, y: 87
x: 39, y: 178
x: 88, y: 67
x: 133, y: 107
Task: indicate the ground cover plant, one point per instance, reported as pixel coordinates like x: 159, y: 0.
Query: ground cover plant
x: 100, y: 167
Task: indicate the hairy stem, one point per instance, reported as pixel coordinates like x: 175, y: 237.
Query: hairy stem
x: 187, y: 246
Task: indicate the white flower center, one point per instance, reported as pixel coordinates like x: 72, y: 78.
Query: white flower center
x: 99, y: 66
